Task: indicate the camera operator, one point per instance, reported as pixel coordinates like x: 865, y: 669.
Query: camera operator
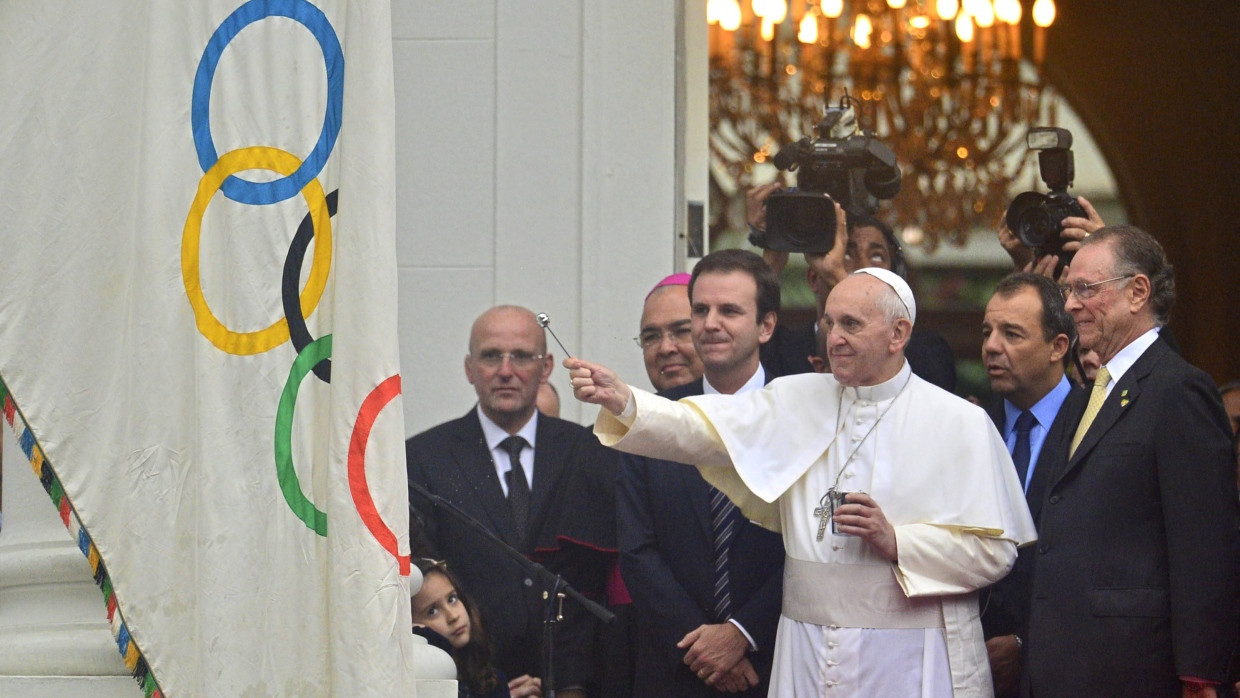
x: 863, y: 242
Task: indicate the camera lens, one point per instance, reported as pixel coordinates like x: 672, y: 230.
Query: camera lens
x: 883, y: 182
x: 1028, y: 219
x: 800, y: 222
x: 1036, y: 227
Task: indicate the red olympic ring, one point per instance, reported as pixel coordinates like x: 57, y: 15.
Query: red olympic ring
x: 374, y: 403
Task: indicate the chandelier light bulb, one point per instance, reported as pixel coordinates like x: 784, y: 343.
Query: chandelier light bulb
x: 773, y: 10
x: 913, y: 235
x: 964, y: 28
x: 947, y: 8
x: 808, y: 33
x: 833, y: 8
x: 768, y: 29
x: 985, y: 14
x: 712, y: 11
x: 730, y: 15
x: 862, y: 30
x: 896, y: 4
x: 1044, y: 12
x: 1008, y: 11
x: 780, y: 13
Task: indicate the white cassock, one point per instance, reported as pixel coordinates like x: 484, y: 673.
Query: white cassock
x: 854, y: 624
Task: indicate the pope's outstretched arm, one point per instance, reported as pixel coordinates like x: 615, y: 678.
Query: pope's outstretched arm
x: 635, y: 421
x: 597, y: 385
x: 644, y: 424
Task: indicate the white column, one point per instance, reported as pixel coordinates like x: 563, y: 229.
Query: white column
x: 54, y: 634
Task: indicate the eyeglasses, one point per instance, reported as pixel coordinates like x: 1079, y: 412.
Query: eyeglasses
x: 681, y: 334
x: 1084, y: 291
x: 520, y: 360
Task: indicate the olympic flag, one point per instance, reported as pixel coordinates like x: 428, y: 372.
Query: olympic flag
x: 198, y: 330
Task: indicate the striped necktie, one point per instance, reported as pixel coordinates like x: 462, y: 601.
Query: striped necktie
x: 723, y: 522
x: 1097, y: 396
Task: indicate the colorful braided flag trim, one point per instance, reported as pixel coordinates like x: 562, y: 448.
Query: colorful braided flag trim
x: 128, y: 649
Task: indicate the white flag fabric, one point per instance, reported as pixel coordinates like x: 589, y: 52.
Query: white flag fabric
x: 198, y: 330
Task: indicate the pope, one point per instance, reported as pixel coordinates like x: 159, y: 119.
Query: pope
x: 921, y: 490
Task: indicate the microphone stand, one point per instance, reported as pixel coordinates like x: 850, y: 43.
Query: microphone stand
x: 553, y: 585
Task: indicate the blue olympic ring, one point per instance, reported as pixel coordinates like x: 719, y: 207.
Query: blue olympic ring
x: 312, y: 18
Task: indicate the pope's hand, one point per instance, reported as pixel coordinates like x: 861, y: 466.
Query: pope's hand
x: 597, y: 385
x: 861, y: 517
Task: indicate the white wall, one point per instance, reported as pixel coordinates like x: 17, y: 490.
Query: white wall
x: 535, y: 165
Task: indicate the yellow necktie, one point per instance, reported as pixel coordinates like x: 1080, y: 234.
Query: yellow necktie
x: 1097, y: 396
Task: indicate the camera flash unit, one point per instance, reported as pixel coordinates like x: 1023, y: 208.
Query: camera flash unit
x: 1048, y: 137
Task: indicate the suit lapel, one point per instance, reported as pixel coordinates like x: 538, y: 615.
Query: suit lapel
x: 477, y: 469
x: 551, y: 454
x: 997, y: 414
x: 699, y: 500
x: 1049, y: 457
x: 696, y: 487
x: 1125, y: 392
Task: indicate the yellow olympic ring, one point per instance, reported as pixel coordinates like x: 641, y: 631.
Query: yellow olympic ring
x: 253, y: 158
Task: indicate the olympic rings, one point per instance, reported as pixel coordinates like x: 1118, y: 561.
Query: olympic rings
x: 251, y: 158
x: 312, y: 18
x: 374, y: 403
x: 292, y: 273
x: 302, y: 507
x: 296, y: 176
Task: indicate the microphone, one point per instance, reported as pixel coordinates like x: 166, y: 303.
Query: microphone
x: 545, y: 321
x: 550, y: 581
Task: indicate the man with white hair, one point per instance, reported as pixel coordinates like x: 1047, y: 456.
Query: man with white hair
x: 914, y: 484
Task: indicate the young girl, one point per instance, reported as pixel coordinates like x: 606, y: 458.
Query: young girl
x: 440, y: 606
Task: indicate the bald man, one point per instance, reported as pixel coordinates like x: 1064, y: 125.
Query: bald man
x: 543, y: 485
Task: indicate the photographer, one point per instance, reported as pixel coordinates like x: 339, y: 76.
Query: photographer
x: 1042, y: 232
x: 859, y: 243
x: 1075, y: 229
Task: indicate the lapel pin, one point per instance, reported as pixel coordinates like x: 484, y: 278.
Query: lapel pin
x: 1123, y: 398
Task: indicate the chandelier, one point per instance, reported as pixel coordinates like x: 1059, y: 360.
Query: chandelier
x: 945, y: 85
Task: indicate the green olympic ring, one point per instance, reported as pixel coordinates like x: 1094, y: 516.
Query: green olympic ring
x: 302, y: 507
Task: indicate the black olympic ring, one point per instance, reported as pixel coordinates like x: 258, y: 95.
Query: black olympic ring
x: 290, y: 291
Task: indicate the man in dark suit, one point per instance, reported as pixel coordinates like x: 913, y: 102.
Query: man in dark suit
x: 1027, y: 337
x: 1136, y: 583
x: 543, y: 485
x: 674, y: 530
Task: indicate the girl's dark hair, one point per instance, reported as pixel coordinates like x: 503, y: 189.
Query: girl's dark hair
x: 473, y: 661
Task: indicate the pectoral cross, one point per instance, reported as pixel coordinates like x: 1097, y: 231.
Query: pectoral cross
x: 824, y: 517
